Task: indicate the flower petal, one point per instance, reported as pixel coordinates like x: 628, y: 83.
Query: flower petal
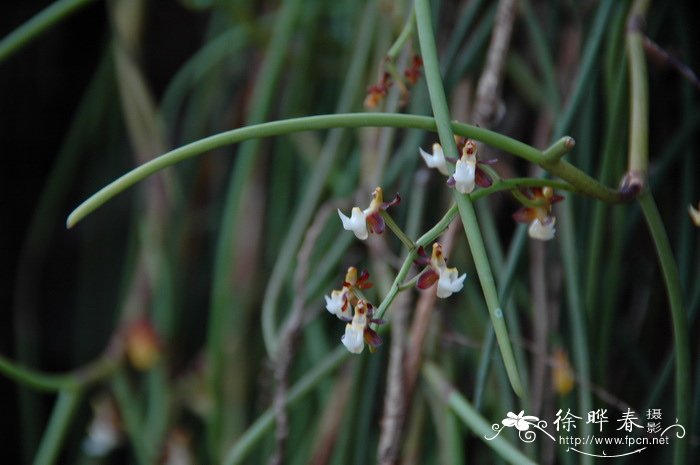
x: 525, y: 215
x: 436, y: 159
x: 449, y: 282
x: 465, y: 172
x: 542, y: 230
x: 375, y: 223
x: 353, y: 339
x: 356, y: 223
x: 427, y: 279
x: 481, y: 178
x: 372, y: 338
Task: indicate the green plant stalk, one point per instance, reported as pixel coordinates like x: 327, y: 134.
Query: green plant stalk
x: 678, y: 317
x: 133, y: 421
x: 583, y: 183
x: 408, y: 243
x: 404, y: 36
x: 59, y: 423
x: 588, y: 61
x: 264, y: 424
x: 442, y: 389
x: 577, y: 316
x: 506, y: 275
x: 317, y: 181
x: 78, y: 379
x: 542, y: 54
x: 38, y: 24
x: 598, y: 223
x: 222, y: 318
x: 639, y: 93
x: 488, y: 286
x: 466, y: 18
x: 464, y: 203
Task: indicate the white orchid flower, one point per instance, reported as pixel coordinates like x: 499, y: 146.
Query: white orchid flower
x: 449, y: 282
x: 542, y: 230
x: 436, y: 159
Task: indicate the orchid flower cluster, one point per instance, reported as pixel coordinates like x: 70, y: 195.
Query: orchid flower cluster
x: 468, y: 174
x: 342, y: 302
x: 349, y: 303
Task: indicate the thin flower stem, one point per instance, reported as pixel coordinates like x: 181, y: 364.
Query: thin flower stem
x: 63, y: 411
x: 584, y: 184
x: 41, y: 22
x: 678, y: 316
x: 423, y: 241
x: 465, y: 205
x: 410, y: 283
x: 397, y: 230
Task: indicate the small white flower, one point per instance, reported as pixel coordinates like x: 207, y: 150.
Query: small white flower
x: 542, y: 230
x: 336, y: 302
x: 354, y: 338
x: 357, y: 223
x: 436, y: 159
x: 449, y: 282
x: 465, y: 172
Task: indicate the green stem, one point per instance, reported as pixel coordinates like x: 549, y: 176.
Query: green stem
x: 583, y: 183
x: 558, y: 150
x: 465, y: 205
x: 639, y: 95
x: 588, y: 61
x: 223, y: 321
x: 577, y: 316
x: 80, y: 378
x: 317, y: 182
x: 41, y: 22
x: 397, y: 230
x: 255, y: 433
x: 404, y: 35
x: 50, y: 446
x: 442, y: 389
x: 678, y: 316
x: 133, y: 420
x: 488, y: 286
x: 423, y: 241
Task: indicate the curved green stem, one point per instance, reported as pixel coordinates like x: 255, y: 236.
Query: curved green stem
x: 678, y: 316
x: 317, y: 182
x: 584, y: 184
x: 80, y: 378
x: 66, y: 405
x: 464, y: 203
x: 443, y: 390
x: 38, y: 24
